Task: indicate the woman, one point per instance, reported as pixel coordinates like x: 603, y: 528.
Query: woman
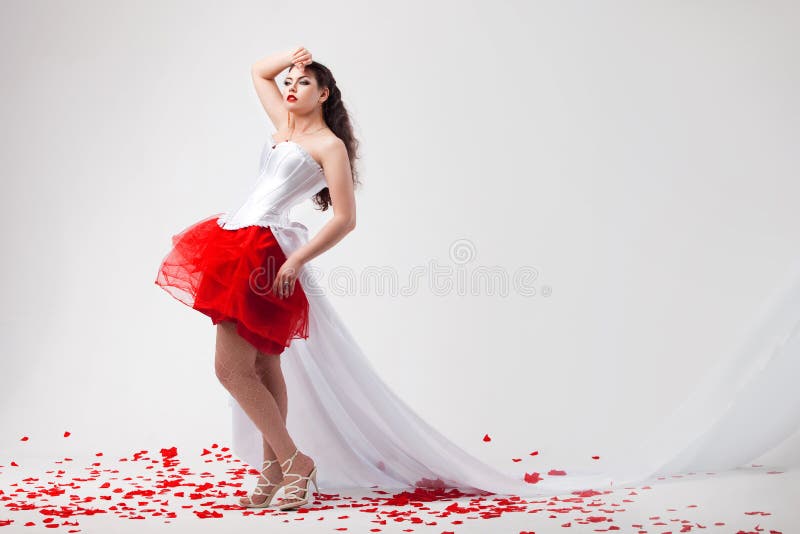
x: 225, y: 266
x: 356, y: 428
x: 359, y: 431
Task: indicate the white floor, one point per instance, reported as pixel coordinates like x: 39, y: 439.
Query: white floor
x: 756, y: 499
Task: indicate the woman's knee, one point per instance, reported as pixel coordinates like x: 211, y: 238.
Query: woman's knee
x: 268, y: 368
x: 223, y: 370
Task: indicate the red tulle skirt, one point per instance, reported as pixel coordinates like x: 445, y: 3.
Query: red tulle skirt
x: 228, y: 275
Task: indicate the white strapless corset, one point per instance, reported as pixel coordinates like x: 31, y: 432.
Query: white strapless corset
x: 288, y: 175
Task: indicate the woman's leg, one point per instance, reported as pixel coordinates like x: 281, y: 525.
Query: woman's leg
x: 235, y: 366
x: 268, y: 368
x: 269, y: 372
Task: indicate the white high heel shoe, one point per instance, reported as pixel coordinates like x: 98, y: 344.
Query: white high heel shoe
x: 258, y: 490
x: 293, y: 490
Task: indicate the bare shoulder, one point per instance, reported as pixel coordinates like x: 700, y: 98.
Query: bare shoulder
x: 333, y: 148
x: 336, y: 165
x: 334, y: 142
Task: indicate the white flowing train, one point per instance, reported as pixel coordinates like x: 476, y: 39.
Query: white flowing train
x: 361, y: 434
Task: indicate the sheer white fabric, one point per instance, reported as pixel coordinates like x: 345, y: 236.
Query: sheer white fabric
x: 361, y: 434
x: 747, y: 404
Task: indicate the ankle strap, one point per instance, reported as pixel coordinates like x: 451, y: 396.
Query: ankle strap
x: 292, y: 457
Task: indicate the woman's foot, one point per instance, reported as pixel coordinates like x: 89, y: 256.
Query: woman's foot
x: 268, y: 482
x: 295, y: 479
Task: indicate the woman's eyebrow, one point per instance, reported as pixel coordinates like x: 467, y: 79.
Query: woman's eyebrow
x: 303, y: 76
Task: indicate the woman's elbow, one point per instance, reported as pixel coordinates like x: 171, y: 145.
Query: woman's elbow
x: 346, y: 223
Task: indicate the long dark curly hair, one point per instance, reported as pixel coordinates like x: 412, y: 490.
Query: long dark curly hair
x: 336, y: 117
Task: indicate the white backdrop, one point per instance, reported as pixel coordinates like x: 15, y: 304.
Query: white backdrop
x: 640, y: 157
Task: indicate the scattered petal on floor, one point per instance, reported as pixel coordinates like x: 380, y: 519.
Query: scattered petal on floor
x: 167, y: 486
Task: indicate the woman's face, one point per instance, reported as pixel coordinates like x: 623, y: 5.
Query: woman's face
x: 300, y: 90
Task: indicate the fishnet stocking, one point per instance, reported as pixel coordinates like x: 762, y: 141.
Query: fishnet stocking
x: 268, y: 370
x: 237, y: 370
x: 235, y: 366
